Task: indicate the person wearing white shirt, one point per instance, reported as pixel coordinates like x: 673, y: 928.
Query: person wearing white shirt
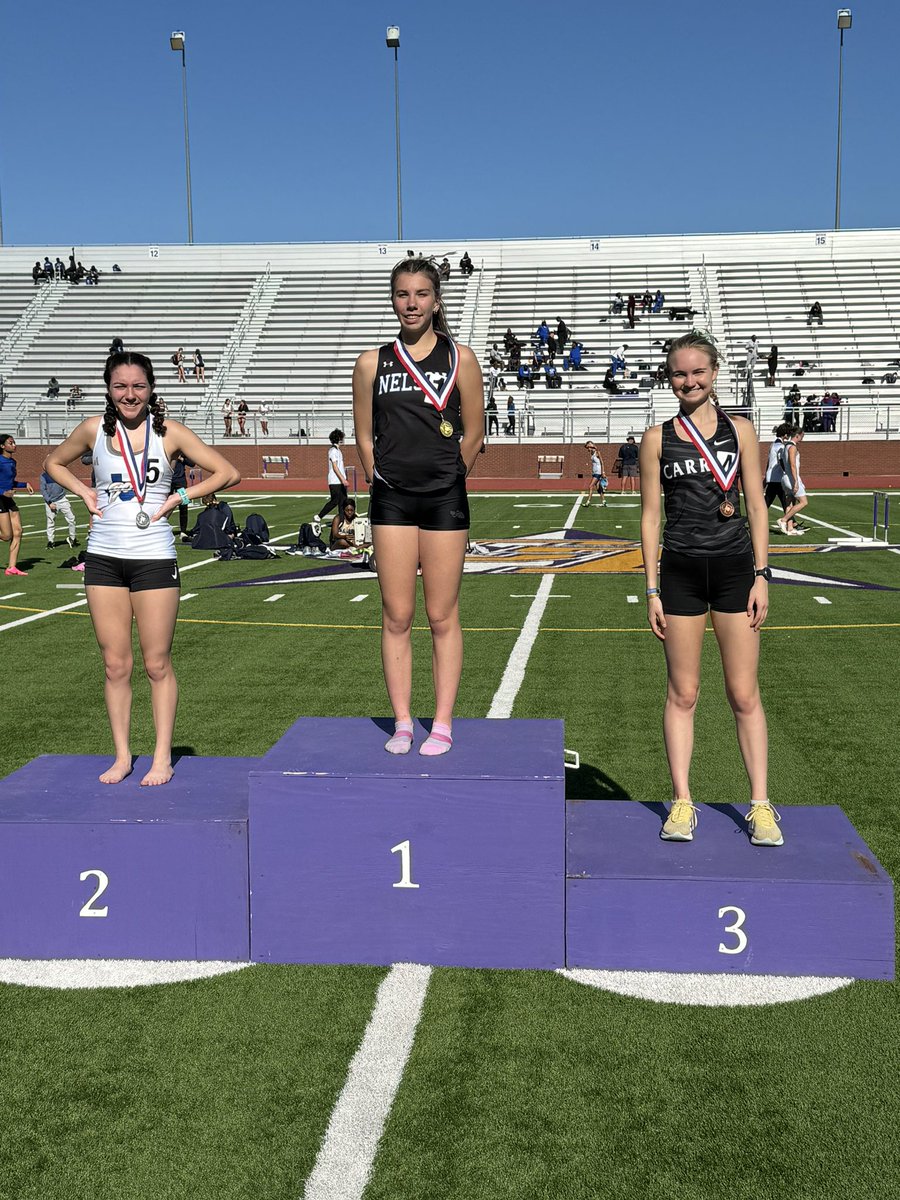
x: 337, y: 476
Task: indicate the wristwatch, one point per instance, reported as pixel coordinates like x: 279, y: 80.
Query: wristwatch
x: 765, y: 572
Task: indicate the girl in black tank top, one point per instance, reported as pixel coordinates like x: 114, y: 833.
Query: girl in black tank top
x: 711, y: 562
x: 418, y: 411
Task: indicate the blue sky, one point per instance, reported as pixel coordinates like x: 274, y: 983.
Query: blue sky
x: 518, y: 119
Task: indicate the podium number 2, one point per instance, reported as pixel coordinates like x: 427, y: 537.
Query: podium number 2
x: 402, y: 848
x: 102, y: 884
x: 735, y: 928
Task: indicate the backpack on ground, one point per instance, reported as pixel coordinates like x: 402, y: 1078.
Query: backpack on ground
x: 214, y: 528
x: 256, y: 531
x: 306, y: 538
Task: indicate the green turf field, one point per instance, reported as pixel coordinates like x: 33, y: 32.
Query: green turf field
x: 519, y: 1084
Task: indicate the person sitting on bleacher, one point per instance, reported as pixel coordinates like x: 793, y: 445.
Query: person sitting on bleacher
x: 53, y: 388
x: 444, y: 268
x: 618, y: 304
x: 552, y: 377
x: 466, y: 265
x: 646, y: 301
x: 658, y: 301
x: 609, y: 382
x: 575, y: 357
x: 37, y: 273
x: 496, y: 358
x: 815, y: 313
x: 524, y: 376
x: 660, y: 379
x: 515, y: 357
x: 542, y: 333
x: 618, y: 360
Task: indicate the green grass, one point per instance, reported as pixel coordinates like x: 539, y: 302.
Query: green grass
x: 520, y: 1084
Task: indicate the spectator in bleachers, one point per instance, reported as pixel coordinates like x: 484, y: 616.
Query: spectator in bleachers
x: 815, y: 313
x: 660, y: 379
x: 71, y: 270
x: 59, y: 268
x: 493, y: 421
x: 543, y: 332
x: 48, y: 269
x: 510, y: 415
x: 537, y: 359
x: 495, y: 358
x: 494, y: 376
x: 646, y: 301
x: 117, y: 270
x: 552, y: 377
x: 575, y: 357
x: 563, y: 334
x: 53, y: 388
x: 609, y: 382
x: 629, y: 310
x: 76, y: 395
x: 227, y: 415
x: 811, y: 414
x: 93, y: 275
x: 524, y: 376
x: 830, y: 404
x: 792, y: 406
x: 509, y: 339
x: 751, y: 349
x: 618, y: 360
x: 199, y: 367
x: 444, y: 268
x: 177, y: 361
x: 264, y: 412
x: 116, y: 346
x: 618, y: 304
x: 658, y: 301
x: 80, y: 272
x: 466, y: 265
x: 242, y: 410
x: 552, y: 346
x: 515, y: 357
x: 37, y: 273
x: 772, y: 365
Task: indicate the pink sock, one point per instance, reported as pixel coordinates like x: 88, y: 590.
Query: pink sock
x: 402, y: 738
x: 439, y: 741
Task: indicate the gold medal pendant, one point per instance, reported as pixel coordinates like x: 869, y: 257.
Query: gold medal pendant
x: 446, y: 429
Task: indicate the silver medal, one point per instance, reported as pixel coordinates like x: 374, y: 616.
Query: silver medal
x: 142, y: 520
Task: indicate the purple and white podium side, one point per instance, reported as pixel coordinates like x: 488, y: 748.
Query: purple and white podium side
x: 89, y: 870
x: 357, y: 856
x: 821, y: 904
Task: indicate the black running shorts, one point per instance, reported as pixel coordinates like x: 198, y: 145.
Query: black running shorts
x: 690, y: 585
x: 444, y: 510
x: 136, y: 574
x: 7, y: 504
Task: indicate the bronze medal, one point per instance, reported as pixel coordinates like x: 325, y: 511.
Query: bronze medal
x: 726, y: 508
x: 446, y: 429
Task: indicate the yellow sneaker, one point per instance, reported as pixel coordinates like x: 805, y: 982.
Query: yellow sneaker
x: 681, y: 822
x: 763, y: 820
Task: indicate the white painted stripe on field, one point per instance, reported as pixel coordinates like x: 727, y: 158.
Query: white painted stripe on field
x: 531, y: 596
x: 357, y: 599
x: 189, y: 596
x: 51, y: 612
x: 345, y: 1157
x: 12, y: 596
x: 273, y: 598
x: 836, y: 528
x: 631, y: 599
x: 348, y: 1149
x: 74, y: 587
x: 821, y: 600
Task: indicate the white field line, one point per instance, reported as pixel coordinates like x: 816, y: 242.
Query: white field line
x: 821, y: 600
x: 51, y: 612
x: 275, y: 596
x: 357, y: 1122
x: 836, y: 528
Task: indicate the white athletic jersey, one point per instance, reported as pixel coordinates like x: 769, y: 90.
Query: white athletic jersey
x: 116, y: 535
x: 335, y: 464
x: 774, y: 470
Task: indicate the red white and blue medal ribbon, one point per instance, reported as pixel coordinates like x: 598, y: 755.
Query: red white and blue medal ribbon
x: 435, y: 396
x: 725, y: 479
x: 137, y: 478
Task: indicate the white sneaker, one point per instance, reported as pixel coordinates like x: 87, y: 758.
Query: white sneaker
x: 796, y: 532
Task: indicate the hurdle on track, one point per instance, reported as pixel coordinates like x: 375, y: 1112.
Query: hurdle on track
x: 881, y: 516
x: 275, y: 466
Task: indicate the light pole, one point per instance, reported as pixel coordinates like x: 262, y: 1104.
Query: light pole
x: 393, y: 42
x: 176, y: 41
x: 845, y: 20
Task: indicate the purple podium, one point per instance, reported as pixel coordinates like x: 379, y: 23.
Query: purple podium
x: 95, y: 871
x: 819, y: 905
x: 358, y: 856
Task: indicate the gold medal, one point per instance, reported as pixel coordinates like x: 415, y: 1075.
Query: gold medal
x: 446, y: 429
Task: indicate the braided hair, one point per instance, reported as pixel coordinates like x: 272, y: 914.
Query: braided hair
x: 131, y: 358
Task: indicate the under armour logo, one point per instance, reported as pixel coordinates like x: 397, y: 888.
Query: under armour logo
x: 385, y: 365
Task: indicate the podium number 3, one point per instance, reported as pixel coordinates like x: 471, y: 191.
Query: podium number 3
x: 402, y: 848
x: 735, y: 928
x: 102, y: 884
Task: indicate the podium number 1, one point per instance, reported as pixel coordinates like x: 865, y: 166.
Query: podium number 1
x: 402, y: 848
x: 88, y: 909
x: 735, y: 928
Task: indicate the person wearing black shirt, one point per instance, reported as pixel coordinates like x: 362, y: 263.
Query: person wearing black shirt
x: 711, y: 562
x: 419, y: 419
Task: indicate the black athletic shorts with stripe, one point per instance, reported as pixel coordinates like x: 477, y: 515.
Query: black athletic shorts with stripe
x: 135, y: 574
x: 443, y: 510
x: 690, y: 585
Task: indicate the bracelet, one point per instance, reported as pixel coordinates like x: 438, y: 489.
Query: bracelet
x: 652, y: 592
x: 185, y: 498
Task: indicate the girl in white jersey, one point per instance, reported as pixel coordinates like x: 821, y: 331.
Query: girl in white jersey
x: 131, y: 573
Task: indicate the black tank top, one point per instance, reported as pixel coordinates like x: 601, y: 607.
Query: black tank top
x: 694, y: 524
x: 411, y: 453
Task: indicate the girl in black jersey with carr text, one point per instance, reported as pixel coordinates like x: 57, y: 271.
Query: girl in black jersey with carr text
x: 131, y: 573
x: 714, y: 560
x: 418, y: 412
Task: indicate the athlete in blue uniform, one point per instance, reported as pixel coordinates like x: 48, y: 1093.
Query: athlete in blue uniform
x: 10, y: 521
x: 131, y: 573
x: 711, y: 562
x: 418, y: 413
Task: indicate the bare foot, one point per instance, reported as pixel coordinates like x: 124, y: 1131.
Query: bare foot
x: 120, y: 770
x: 158, y: 773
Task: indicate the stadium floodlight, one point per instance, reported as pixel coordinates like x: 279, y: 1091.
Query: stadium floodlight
x: 392, y: 40
x: 844, y: 21
x: 177, y: 42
